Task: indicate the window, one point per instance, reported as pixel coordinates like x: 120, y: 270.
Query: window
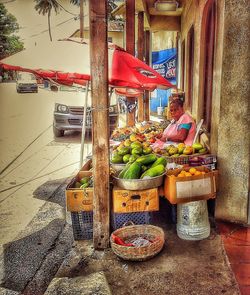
x: 190, y: 67
x: 110, y: 39
x: 208, y: 31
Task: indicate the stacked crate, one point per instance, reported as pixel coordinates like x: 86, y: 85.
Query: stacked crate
x: 130, y: 206
x: 79, y: 202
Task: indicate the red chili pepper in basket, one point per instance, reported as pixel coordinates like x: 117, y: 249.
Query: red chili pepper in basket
x: 120, y: 241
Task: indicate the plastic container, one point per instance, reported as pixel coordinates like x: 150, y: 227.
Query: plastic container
x: 192, y: 221
x: 160, y: 111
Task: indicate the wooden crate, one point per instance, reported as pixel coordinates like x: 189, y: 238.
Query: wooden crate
x: 79, y: 199
x: 125, y: 201
x: 191, y: 188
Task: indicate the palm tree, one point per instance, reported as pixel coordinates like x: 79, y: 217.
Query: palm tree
x: 44, y: 7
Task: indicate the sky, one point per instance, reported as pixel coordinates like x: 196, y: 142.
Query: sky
x: 34, y: 27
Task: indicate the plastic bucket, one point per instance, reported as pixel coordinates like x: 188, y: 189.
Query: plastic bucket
x: 192, y: 221
x: 160, y: 111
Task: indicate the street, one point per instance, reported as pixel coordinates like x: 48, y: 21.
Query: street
x: 30, y: 156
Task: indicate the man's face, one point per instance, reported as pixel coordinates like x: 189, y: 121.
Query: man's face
x: 176, y: 111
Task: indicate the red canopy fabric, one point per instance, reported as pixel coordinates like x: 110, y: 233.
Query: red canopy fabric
x: 68, y: 63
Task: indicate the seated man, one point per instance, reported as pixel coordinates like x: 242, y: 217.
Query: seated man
x: 182, y: 128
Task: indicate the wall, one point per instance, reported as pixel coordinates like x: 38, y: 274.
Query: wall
x: 233, y: 128
x: 229, y: 137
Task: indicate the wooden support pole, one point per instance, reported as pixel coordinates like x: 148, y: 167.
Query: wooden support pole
x: 130, y: 26
x: 140, y: 51
x: 100, y: 115
x: 81, y: 19
x: 147, y: 60
x: 130, y: 46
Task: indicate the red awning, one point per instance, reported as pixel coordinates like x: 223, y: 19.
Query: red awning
x: 67, y: 62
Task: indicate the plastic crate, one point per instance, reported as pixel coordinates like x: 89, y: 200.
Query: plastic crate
x: 82, y: 224
x: 181, y: 160
x: 118, y: 220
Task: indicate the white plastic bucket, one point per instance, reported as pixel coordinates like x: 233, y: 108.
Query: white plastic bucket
x: 192, y: 221
x: 159, y: 111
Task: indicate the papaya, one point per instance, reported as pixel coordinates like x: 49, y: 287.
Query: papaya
x: 147, y: 159
x: 117, y: 159
x: 147, y: 150
x: 122, y: 172
x: 154, y: 171
x: 123, y: 151
x: 84, y: 180
x: 133, y: 172
x: 197, y: 146
x: 160, y: 160
x: 132, y: 158
x: 203, y: 150
x: 136, y: 151
x: 173, y: 150
x: 135, y: 144
x: 126, y: 158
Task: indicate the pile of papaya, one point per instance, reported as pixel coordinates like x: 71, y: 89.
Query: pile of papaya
x: 181, y: 150
x: 128, y: 151
x: 144, y: 167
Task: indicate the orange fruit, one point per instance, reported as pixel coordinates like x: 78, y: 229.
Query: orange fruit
x: 188, y: 174
x: 197, y: 173
x: 203, y: 172
x: 181, y: 175
x: 192, y: 170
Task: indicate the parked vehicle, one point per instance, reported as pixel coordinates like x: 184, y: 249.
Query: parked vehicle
x: 71, y: 118
x: 26, y: 82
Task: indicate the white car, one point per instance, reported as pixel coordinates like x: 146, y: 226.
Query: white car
x: 26, y: 82
x: 68, y: 114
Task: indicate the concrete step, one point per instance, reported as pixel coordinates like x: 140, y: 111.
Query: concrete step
x: 94, y: 283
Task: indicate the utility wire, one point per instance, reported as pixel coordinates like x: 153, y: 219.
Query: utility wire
x: 66, y: 9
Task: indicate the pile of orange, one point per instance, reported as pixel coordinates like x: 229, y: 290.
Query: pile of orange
x: 192, y: 171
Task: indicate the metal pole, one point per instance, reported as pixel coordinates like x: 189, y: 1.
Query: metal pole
x: 84, y: 124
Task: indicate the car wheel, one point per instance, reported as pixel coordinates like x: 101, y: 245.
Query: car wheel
x: 57, y: 132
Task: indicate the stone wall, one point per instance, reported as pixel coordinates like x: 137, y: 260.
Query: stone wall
x: 233, y: 127
x: 229, y: 136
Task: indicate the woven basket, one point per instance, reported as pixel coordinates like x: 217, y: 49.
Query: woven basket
x: 151, y: 232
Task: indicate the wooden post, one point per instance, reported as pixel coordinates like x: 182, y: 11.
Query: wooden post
x: 100, y: 115
x: 147, y: 60
x: 140, y: 50
x: 81, y: 19
x: 130, y: 46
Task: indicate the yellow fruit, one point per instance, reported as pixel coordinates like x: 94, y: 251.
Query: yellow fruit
x: 188, y: 150
x: 192, y: 170
x: 202, y: 172
x: 183, y: 172
x: 197, y: 173
x: 181, y: 175
x: 188, y: 174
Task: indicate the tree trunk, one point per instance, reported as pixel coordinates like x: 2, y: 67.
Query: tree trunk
x: 50, y: 36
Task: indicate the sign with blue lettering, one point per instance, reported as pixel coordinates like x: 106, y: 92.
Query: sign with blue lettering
x: 165, y: 63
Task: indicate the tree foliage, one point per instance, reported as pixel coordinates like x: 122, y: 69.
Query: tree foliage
x: 9, y: 42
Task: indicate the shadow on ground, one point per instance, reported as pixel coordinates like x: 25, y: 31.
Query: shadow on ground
x: 23, y: 257
x: 53, y: 191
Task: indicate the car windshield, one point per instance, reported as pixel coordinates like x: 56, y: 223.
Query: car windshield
x: 26, y: 76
